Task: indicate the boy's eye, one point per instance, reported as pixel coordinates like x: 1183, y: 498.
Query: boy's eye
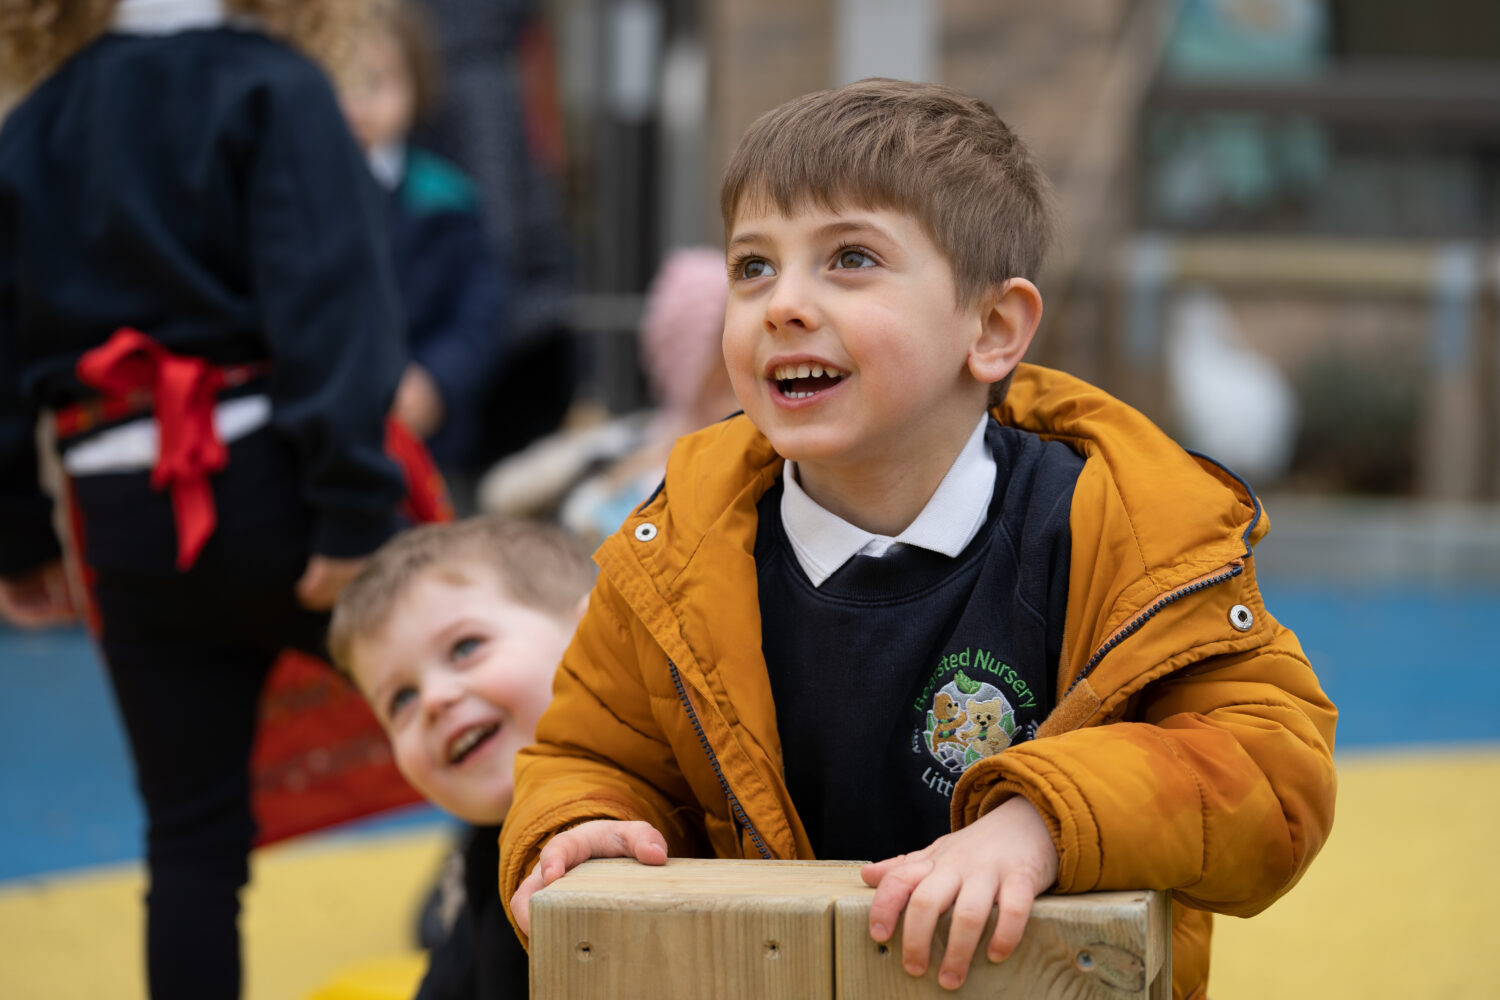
x: 399, y: 700
x: 853, y: 257
x: 464, y: 647
x: 754, y: 267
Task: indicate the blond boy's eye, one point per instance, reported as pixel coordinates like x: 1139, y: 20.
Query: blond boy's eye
x: 399, y: 700
x: 851, y: 257
x: 464, y: 647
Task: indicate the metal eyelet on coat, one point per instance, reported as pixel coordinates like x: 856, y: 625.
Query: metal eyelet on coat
x: 645, y: 532
x: 1241, y: 617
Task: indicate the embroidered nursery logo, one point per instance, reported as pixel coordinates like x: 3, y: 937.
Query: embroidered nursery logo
x: 968, y: 714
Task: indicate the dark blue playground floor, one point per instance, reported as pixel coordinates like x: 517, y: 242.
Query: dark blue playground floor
x: 1408, y: 665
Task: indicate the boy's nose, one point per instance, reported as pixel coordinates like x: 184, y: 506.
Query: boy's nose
x: 439, y: 692
x: 791, y: 306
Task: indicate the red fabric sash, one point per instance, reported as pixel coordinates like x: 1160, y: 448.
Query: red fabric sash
x: 134, y: 373
x: 183, y: 391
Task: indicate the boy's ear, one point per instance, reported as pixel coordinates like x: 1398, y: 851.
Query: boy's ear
x: 1009, y: 315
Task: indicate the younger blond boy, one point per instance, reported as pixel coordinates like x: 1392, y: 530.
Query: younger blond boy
x: 453, y: 633
x: 973, y: 620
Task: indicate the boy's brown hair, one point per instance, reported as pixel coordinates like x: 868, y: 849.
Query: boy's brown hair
x: 538, y: 565
x: 927, y: 150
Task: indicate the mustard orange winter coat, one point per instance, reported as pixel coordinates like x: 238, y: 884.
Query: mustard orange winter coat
x: 1190, y: 749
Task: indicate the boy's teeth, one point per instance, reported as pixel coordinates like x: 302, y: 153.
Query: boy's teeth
x: 805, y: 370
x: 467, y: 740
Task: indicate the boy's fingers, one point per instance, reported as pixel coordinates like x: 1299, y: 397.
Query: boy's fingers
x: 37, y: 600
x: 873, y: 872
x: 314, y: 591
x: 894, y: 889
x: 561, y: 854
x: 601, y: 839
x: 965, y: 927
x: 930, y: 899
x: 651, y: 848
x: 323, y: 579
x: 639, y: 840
x: 626, y: 839
x: 520, y: 903
x: 1017, y: 893
x: 28, y: 609
x: 572, y: 848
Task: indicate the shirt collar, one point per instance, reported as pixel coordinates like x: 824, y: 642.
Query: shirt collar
x: 163, y: 17
x: 388, y: 164
x: 822, y: 541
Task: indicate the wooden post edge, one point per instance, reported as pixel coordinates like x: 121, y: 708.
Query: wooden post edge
x: 760, y: 930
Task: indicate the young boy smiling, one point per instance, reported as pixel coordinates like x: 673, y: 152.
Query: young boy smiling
x: 452, y: 632
x: 915, y: 569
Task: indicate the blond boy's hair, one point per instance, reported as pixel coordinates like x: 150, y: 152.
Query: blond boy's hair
x: 37, y: 36
x: 927, y: 150
x: 538, y: 565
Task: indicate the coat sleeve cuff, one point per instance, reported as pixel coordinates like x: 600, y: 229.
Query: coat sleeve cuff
x: 1068, y: 824
x: 351, y: 535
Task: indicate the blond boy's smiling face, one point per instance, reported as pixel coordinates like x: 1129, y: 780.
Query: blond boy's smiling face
x: 459, y: 675
x: 846, y: 343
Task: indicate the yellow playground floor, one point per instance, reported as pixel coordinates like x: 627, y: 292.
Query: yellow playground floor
x: 1402, y: 903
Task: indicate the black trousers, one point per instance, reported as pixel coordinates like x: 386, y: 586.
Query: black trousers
x: 187, y: 655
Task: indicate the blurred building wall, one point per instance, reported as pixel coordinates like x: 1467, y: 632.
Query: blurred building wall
x: 1328, y: 170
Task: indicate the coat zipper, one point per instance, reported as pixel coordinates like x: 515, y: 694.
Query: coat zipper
x: 713, y: 760
x: 1140, y: 620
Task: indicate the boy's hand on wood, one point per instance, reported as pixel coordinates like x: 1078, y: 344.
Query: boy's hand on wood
x: 38, y: 599
x: 599, y: 838
x: 1006, y: 857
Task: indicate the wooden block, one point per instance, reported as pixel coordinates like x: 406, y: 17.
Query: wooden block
x: 730, y: 930
x: 1104, y: 945
x: 752, y: 930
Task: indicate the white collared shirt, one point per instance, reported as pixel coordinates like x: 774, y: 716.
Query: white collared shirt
x: 164, y: 17
x: 823, y: 541
x: 388, y: 164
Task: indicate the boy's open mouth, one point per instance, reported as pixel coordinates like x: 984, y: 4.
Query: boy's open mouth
x: 800, y: 381
x: 469, y: 740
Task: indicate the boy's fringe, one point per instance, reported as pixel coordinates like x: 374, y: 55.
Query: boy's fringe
x: 38, y: 36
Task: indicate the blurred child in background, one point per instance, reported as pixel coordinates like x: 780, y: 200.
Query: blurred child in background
x: 590, y: 479
x: 453, y: 633
x: 194, y: 304
x: 499, y: 118
x: 442, y: 258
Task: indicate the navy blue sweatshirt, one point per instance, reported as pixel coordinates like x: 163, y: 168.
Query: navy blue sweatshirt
x: 201, y: 187
x: 900, y: 672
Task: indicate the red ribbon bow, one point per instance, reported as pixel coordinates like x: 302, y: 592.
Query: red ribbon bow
x: 183, y: 391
